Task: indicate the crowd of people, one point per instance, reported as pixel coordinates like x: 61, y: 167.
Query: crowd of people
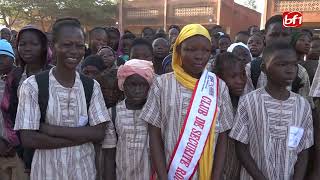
x: 190, y: 103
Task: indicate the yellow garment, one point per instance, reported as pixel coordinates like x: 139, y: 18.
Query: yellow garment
x: 188, y: 31
x: 206, y: 160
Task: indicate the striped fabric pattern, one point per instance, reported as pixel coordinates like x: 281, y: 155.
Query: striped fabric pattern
x: 232, y: 165
x: 65, y: 107
x: 166, y: 108
x: 263, y: 123
x: 132, y: 151
x: 24, y: 76
x: 315, y: 87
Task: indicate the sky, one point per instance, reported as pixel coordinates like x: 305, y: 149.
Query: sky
x: 259, y: 3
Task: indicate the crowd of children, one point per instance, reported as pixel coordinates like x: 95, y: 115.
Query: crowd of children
x: 189, y: 104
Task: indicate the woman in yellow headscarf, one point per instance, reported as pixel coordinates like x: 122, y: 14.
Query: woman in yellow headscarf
x: 168, y: 103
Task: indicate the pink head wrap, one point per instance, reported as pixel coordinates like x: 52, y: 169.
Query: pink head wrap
x: 135, y: 66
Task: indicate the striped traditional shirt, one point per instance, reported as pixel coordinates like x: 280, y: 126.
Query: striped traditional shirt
x: 66, y: 107
x: 264, y: 123
x: 167, y: 105
x: 232, y: 164
x: 315, y: 87
x: 311, y: 67
x: 132, y: 154
x: 24, y: 76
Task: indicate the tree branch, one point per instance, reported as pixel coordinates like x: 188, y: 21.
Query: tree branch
x: 14, y: 19
x: 4, y: 17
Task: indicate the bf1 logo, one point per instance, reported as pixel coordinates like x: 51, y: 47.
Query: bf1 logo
x: 292, y: 19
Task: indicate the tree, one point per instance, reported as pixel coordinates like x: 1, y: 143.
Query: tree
x: 9, y: 12
x: 91, y: 12
x: 251, y: 4
x: 45, y: 12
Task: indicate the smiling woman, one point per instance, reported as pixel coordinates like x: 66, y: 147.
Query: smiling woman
x: 69, y: 46
x: 75, y: 117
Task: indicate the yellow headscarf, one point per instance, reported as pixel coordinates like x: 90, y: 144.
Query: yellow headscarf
x: 188, y: 31
x: 206, y: 160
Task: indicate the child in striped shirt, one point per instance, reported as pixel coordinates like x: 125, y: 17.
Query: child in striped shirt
x: 273, y: 126
x: 228, y: 67
x: 132, y: 150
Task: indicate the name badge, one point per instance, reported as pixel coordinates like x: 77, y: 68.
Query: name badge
x: 83, y: 121
x: 295, y: 135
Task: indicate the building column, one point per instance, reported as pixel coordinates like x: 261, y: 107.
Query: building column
x: 165, y: 15
x: 121, y: 17
x: 218, y: 12
x: 264, y: 15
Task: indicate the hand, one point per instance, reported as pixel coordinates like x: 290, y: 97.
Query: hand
x: 47, y: 129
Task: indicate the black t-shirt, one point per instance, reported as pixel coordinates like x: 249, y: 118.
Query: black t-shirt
x: 88, y: 52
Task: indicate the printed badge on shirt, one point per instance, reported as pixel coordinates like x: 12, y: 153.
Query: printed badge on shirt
x: 295, y: 135
x: 83, y: 121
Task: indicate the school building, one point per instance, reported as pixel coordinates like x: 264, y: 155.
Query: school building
x: 310, y: 10
x: 137, y: 14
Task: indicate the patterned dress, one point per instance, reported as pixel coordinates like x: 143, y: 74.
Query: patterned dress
x: 66, y: 107
x: 132, y: 154
x: 264, y: 123
x: 166, y: 108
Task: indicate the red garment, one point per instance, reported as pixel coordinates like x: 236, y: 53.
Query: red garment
x: 7, y: 108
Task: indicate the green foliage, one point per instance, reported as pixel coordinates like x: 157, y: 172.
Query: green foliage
x: 10, y: 9
x: 44, y: 12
